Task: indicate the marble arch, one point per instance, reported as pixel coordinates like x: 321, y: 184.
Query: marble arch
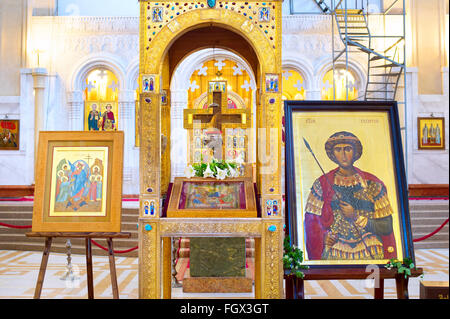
x: 178, y: 87
x: 227, y: 20
x: 191, y: 62
x: 354, y: 66
x: 76, y: 84
x: 303, y: 67
x: 89, y: 63
x: 132, y: 75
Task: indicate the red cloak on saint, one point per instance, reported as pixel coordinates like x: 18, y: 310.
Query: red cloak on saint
x: 316, y: 226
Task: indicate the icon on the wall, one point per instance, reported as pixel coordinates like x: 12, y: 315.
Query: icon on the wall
x: 157, y: 14
x: 431, y: 133
x: 264, y: 14
x: 163, y: 97
x: 148, y: 83
x: 9, y: 135
x: 272, y: 83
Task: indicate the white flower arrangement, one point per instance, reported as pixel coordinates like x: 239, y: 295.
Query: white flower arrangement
x: 215, y: 169
x: 208, y: 172
x: 189, y: 171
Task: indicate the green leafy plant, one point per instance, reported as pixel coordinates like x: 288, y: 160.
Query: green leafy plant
x: 215, y: 168
x: 292, y: 259
x: 402, y: 267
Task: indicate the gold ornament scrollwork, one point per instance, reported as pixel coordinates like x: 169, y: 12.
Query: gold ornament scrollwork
x: 210, y: 227
x: 149, y: 256
x: 150, y: 144
x: 273, y: 255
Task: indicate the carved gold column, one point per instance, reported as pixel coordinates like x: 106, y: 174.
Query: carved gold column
x: 269, y: 170
x: 149, y: 199
x: 264, y: 37
x: 271, y: 247
x: 165, y: 146
x: 149, y: 259
x: 165, y: 125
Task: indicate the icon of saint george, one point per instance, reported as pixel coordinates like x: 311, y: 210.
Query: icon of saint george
x: 348, y: 215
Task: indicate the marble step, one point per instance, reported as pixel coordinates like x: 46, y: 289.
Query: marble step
x: 78, y: 249
x: 436, y: 237
x: 26, y: 213
x: 431, y: 244
x: 432, y: 221
x: 417, y: 215
x: 119, y: 243
x: 6, y: 231
x: 428, y: 205
x: 426, y: 216
x: 21, y: 215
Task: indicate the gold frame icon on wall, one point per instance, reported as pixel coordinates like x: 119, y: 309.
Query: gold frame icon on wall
x: 431, y: 133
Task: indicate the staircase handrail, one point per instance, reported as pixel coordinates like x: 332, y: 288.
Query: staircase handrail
x: 376, y: 53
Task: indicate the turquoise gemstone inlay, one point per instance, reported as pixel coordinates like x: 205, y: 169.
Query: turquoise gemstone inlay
x: 211, y: 3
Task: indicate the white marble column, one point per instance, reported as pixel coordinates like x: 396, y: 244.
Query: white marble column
x: 75, y: 105
x: 126, y: 123
x: 445, y: 84
x: 411, y: 112
x: 127, y: 100
x: 39, y: 85
x: 23, y: 170
x: 179, y: 136
x: 313, y: 94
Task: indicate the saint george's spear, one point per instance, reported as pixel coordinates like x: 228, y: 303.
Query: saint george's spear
x: 339, y: 196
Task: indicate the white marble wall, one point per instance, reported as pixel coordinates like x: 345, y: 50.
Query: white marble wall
x: 426, y: 166
x: 75, y: 45
x: 17, y: 167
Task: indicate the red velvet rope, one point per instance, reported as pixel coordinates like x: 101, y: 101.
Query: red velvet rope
x: 94, y: 242
x: 14, y: 226
x: 115, y: 251
x: 134, y: 248
x: 431, y: 234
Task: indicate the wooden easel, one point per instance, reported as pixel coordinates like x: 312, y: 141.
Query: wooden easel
x: 295, y: 287
x: 88, y: 237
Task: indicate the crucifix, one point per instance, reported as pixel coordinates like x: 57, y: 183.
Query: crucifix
x: 214, y: 119
x: 88, y: 158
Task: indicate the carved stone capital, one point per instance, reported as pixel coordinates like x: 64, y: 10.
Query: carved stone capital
x: 39, y: 78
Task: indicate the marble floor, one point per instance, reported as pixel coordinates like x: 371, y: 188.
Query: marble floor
x: 19, y: 271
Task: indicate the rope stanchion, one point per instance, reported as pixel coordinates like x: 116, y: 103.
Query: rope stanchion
x: 15, y: 226
x: 431, y: 234
x: 115, y: 251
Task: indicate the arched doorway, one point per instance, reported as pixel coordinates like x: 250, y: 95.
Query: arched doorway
x: 344, y: 86
x: 169, y: 33
x: 188, y: 90
x: 101, y: 105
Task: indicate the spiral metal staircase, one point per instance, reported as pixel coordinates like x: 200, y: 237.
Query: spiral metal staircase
x: 385, y: 66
